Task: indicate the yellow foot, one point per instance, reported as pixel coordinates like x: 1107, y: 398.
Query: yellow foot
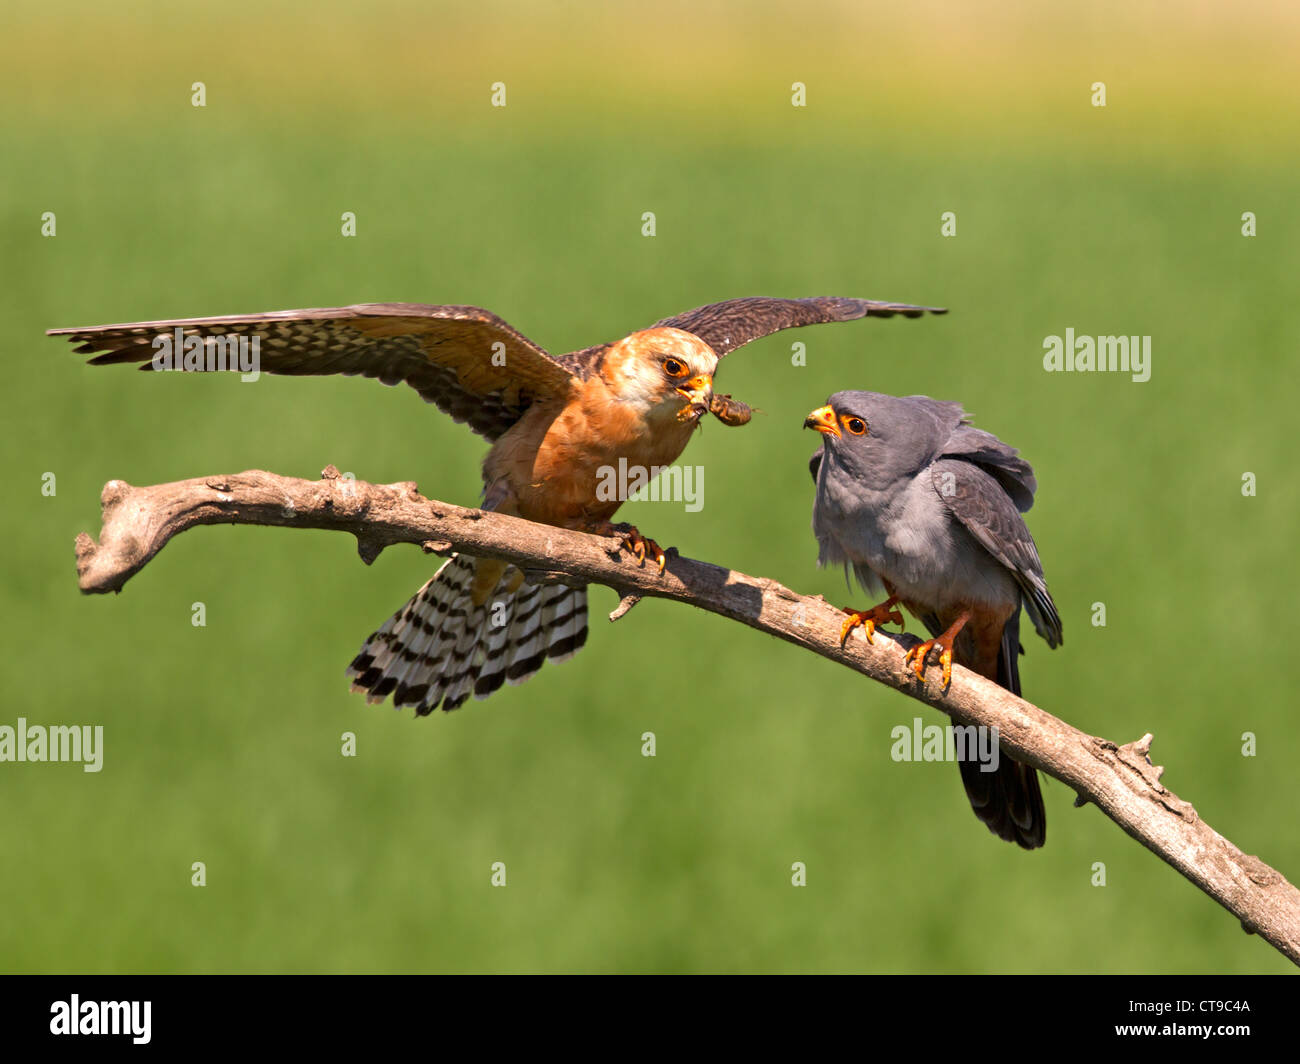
x: 918, y: 654
x: 868, y: 619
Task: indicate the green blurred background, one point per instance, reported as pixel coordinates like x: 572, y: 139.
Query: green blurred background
x: 222, y: 743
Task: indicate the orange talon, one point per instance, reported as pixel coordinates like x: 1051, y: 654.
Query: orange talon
x: 868, y: 619
x: 921, y: 651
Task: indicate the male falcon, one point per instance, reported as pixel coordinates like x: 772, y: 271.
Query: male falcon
x: 911, y: 496
x: 553, y: 424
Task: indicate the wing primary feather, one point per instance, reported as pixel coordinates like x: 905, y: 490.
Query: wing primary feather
x: 448, y: 354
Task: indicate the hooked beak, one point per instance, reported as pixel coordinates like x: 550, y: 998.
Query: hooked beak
x: 823, y: 420
x: 698, y: 393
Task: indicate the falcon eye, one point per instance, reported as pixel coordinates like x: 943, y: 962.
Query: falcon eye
x: 855, y: 425
x: 674, y: 368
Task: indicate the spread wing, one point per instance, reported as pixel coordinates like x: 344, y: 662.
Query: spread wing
x: 727, y: 326
x: 465, y: 360
x: 979, y: 502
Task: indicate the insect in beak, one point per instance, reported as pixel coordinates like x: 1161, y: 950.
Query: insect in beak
x: 698, y: 394
x: 730, y: 411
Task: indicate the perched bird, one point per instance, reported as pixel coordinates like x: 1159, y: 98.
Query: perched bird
x: 913, y: 498
x: 554, y: 425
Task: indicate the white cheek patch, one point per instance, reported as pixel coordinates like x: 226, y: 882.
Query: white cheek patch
x: 642, y: 382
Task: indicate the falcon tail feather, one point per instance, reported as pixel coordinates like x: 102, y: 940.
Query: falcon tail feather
x: 441, y: 647
x: 1009, y: 801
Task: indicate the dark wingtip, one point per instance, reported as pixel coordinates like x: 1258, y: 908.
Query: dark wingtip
x: 109, y: 358
x: 880, y: 309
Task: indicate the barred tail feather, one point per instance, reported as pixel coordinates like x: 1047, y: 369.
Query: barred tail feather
x: 441, y: 647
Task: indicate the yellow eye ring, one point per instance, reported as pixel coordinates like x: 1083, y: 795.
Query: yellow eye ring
x: 674, y: 368
x: 855, y: 426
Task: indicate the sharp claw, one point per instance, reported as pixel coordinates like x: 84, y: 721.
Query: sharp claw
x: 944, y: 642
x: 867, y: 620
x: 638, y: 545
x: 917, y: 655
x: 850, y: 622
x: 635, y: 545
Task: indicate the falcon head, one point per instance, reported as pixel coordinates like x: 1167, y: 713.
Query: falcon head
x: 667, y: 372
x: 880, y: 439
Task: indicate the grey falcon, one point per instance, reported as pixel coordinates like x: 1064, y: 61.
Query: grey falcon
x: 914, y: 499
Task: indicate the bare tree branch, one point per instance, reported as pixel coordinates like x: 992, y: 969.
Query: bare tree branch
x: 1119, y: 780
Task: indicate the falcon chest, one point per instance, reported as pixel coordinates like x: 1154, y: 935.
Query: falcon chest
x: 907, y: 537
x: 553, y: 457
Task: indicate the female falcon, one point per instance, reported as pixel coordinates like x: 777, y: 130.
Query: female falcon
x: 553, y: 424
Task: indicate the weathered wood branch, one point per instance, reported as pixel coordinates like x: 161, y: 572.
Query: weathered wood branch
x: 1119, y: 780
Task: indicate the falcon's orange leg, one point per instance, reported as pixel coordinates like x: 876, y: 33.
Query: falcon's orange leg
x: 944, y: 642
x: 868, y: 619
x: 635, y: 543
